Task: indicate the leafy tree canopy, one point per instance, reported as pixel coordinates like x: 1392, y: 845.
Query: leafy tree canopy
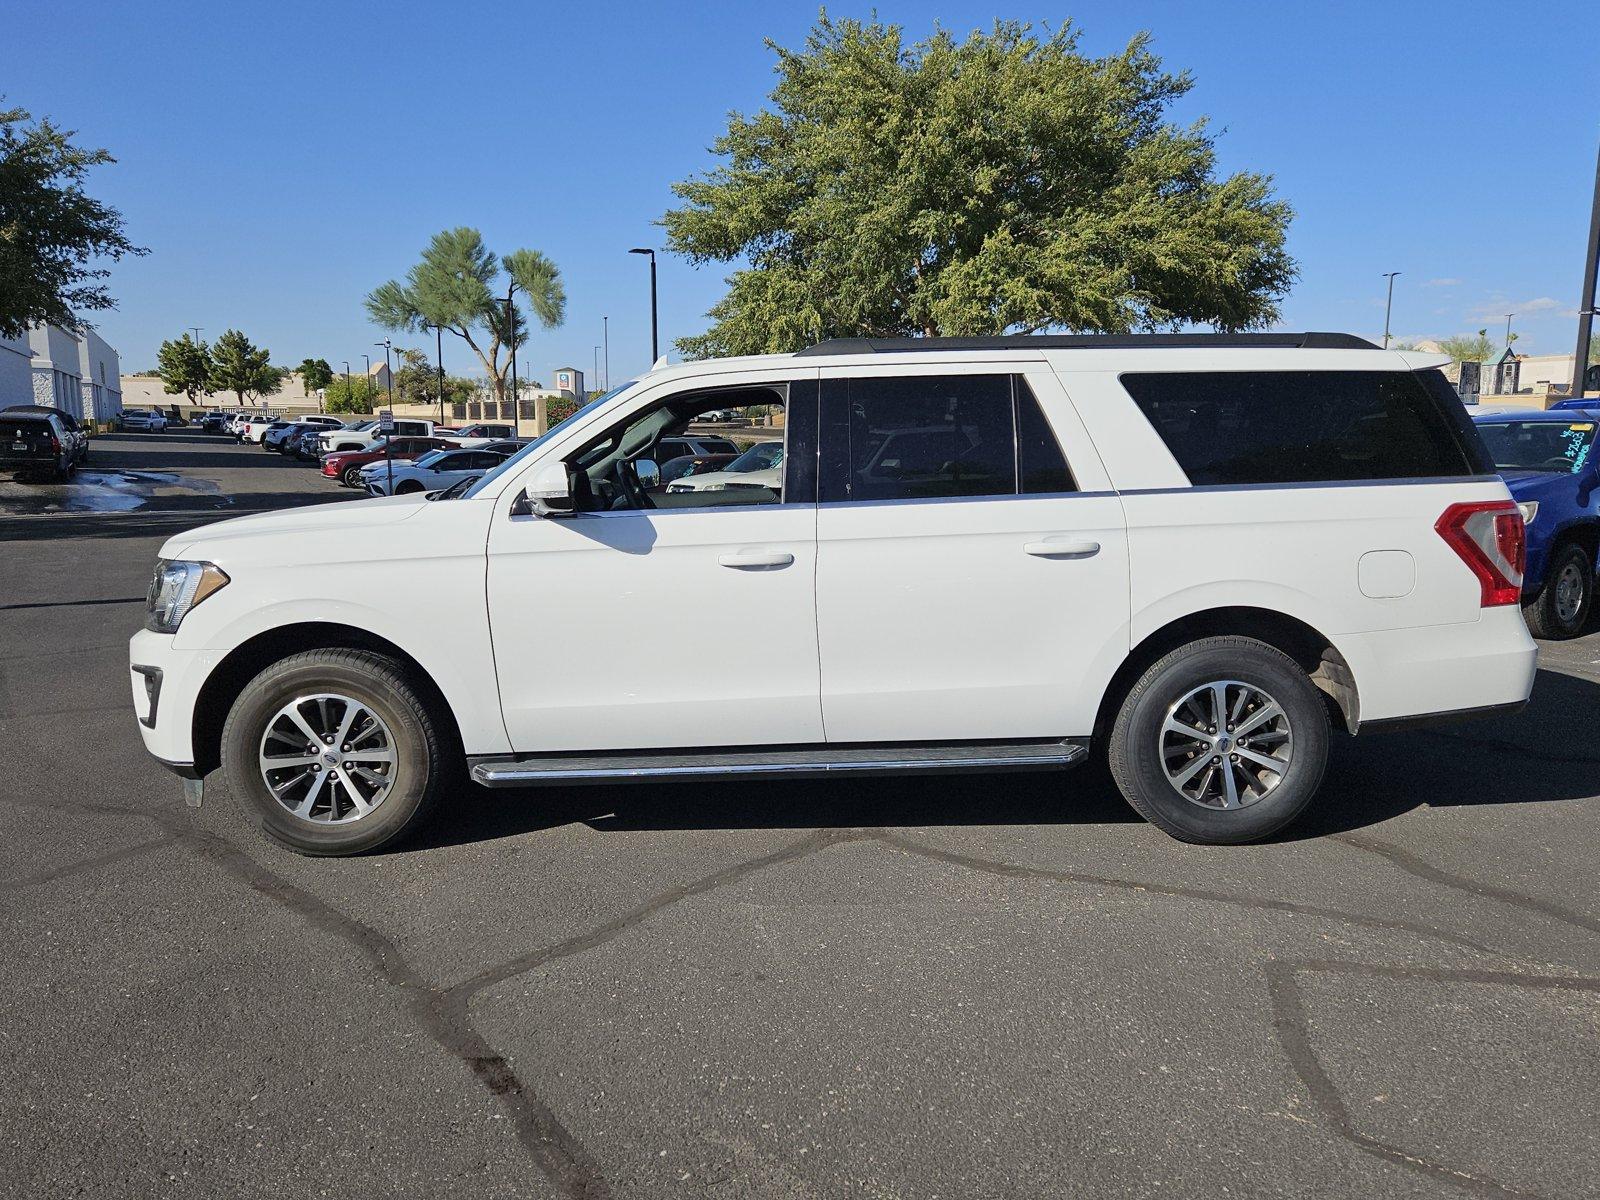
x: 184, y: 366
x: 315, y: 374
x: 50, y: 230
x: 356, y: 396
x: 457, y: 286
x: 241, y: 367
x: 1004, y: 182
x: 1464, y: 348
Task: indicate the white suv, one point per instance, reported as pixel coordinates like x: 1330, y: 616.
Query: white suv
x: 367, y: 435
x: 1195, y: 553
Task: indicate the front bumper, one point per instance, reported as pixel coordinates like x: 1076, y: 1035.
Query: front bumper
x: 166, y: 684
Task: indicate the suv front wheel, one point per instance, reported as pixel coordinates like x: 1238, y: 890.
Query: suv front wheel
x: 1223, y: 740
x: 334, y: 752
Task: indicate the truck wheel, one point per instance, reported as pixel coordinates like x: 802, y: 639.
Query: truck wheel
x: 334, y: 752
x: 1223, y: 740
x: 1561, y: 609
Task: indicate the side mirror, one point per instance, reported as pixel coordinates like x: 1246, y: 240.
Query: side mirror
x: 550, y: 493
x: 648, y: 472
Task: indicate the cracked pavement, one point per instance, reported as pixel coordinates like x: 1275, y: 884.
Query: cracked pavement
x: 956, y: 987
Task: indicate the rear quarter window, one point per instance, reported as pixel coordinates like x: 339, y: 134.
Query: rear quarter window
x: 1243, y: 427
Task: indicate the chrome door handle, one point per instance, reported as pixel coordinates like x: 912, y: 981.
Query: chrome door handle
x: 1062, y: 548
x: 756, y: 558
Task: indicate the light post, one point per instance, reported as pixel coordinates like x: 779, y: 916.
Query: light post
x: 438, y: 358
x: 1508, y: 329
x: 1388, y: 306
x: 1586, y: 306
x: 605, y: 328
x: 367, y: 358
x: 511, y: 339
x: 349, y: 397
x: 655, y: 347
x: 597, y: 367
x: 196, y: 329
x: 387, y: 370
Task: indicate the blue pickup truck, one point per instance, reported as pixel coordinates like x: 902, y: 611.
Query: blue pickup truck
x: 1547, y: 460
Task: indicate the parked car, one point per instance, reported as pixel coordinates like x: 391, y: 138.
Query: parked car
x: 277, y: 439
x: 760, y: 467
x: 76, y: 437
x: 214, y: 421
x: 1195, y: 554
x: 366, y: 434
x: 1547, y: 460
x: 686, y: 465
x: 345, y: 465
x: 148, y: 420
x: 430, y: 472
x: 677, y: 447
x: 479, y: 435
x: 35, y: 443
x: 255, y: 427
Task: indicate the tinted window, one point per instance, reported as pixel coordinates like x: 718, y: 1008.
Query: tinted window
x: 921, y: 437
x: 1234, y: 427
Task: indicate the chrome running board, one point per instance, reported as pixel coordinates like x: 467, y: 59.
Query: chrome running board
x: 795, y: 762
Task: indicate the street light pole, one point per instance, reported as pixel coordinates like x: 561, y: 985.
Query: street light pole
x: 655, y: 344
x: 1508, y: 329
x: 511, y: 339
x: 1586, y: 306
x: 1388, y: 306
x: 597, y: 368
x: 197, y: 329
x: 605, y: 326
x: 438, y: 357
x: 349, y: 398
x: 387, y: 369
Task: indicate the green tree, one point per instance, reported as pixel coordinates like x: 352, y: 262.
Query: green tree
x: 184, y: 366
x: 50, y: 231
x: 315, y: 374
x: 1464, y: 348
x: 240, y: 367
x: 356, y: 397
x: 456, y: 286
x: 1004, y: 182
x: 415, y: 380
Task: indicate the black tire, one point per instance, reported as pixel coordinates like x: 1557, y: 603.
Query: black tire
x: 1551, y: 614
x: 1137, y: 745
x: 351, y: 477
x: 422, y: 753
x: 407, y: 488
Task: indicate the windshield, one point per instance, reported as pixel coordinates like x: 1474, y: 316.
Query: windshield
x: 511, y: 463
x: 758, y: 458
x: 1559, y: 447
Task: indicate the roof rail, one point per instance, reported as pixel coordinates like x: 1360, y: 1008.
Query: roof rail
x: 1092, y: 341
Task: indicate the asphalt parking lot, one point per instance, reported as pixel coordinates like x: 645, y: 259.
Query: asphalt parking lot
x: 961, y: 987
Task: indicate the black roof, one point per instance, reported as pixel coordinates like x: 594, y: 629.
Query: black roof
x: 1093, y: 341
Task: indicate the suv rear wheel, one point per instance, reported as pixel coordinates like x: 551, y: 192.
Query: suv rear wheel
x: 334, y: 752
x: 1223, y: 740
x: 1561, y: 610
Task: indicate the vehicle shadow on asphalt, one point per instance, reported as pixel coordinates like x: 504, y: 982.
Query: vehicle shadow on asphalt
x: 1540, y: 754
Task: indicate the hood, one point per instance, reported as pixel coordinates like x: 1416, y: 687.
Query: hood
x: 1531, y: 485
x: 210, y: 542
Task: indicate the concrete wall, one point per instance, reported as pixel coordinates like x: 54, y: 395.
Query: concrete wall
x: 57, y: 374
x: 102, y: 377
x: 16, y: 372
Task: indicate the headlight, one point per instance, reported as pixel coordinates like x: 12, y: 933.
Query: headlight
x: 175, y: 589
x: 1529, y: 510
x: 715, y: 487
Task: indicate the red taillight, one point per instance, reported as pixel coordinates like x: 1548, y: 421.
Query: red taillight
x: 1490, y: 538
x: 55, y: 444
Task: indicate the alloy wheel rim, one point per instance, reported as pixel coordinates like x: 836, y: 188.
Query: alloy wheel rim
x: 1225, y: 745
x: 1569, y: 592
x: 328, y: 759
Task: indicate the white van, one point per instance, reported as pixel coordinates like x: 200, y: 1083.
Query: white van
x: 1196, y: 554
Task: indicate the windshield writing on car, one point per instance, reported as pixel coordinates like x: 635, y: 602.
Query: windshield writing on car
x: 1558, y: 447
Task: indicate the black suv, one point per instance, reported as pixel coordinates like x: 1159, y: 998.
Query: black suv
x: 37, y: 441
x: 77, y: 436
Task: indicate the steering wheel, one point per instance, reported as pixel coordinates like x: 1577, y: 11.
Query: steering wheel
x: 1558, y: 462
x: 627, y: 480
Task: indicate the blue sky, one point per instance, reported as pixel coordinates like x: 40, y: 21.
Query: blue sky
x: 282, y: 159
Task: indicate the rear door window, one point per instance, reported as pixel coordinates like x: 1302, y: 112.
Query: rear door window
x: 921, y: 437
x: 1276, y: 427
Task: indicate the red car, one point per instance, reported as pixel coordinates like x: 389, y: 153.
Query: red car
x: 345, y: 465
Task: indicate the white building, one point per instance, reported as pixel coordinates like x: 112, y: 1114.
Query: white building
x: 77, y: 373
x: 101, y: 372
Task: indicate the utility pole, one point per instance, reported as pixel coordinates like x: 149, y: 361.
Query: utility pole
x: 438, y: 357
x: 1388, y: 306
x: 1586, y: 307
